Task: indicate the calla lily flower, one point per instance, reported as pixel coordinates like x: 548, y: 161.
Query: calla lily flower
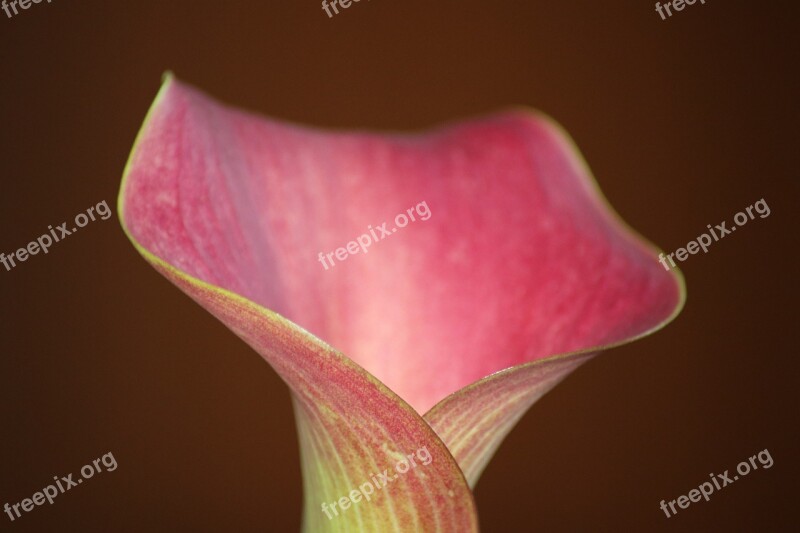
x: 439, y: 336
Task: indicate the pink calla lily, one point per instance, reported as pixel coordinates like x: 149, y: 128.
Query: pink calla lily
x: 443, y: 334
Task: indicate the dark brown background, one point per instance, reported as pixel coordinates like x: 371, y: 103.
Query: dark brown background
x: 684, y: 122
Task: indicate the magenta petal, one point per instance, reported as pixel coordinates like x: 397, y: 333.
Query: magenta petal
x: 520, y: 262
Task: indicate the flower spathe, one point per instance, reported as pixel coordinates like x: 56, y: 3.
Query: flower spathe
x: 443, y: 335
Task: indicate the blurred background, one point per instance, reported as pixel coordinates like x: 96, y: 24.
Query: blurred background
x: 684, y: 122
